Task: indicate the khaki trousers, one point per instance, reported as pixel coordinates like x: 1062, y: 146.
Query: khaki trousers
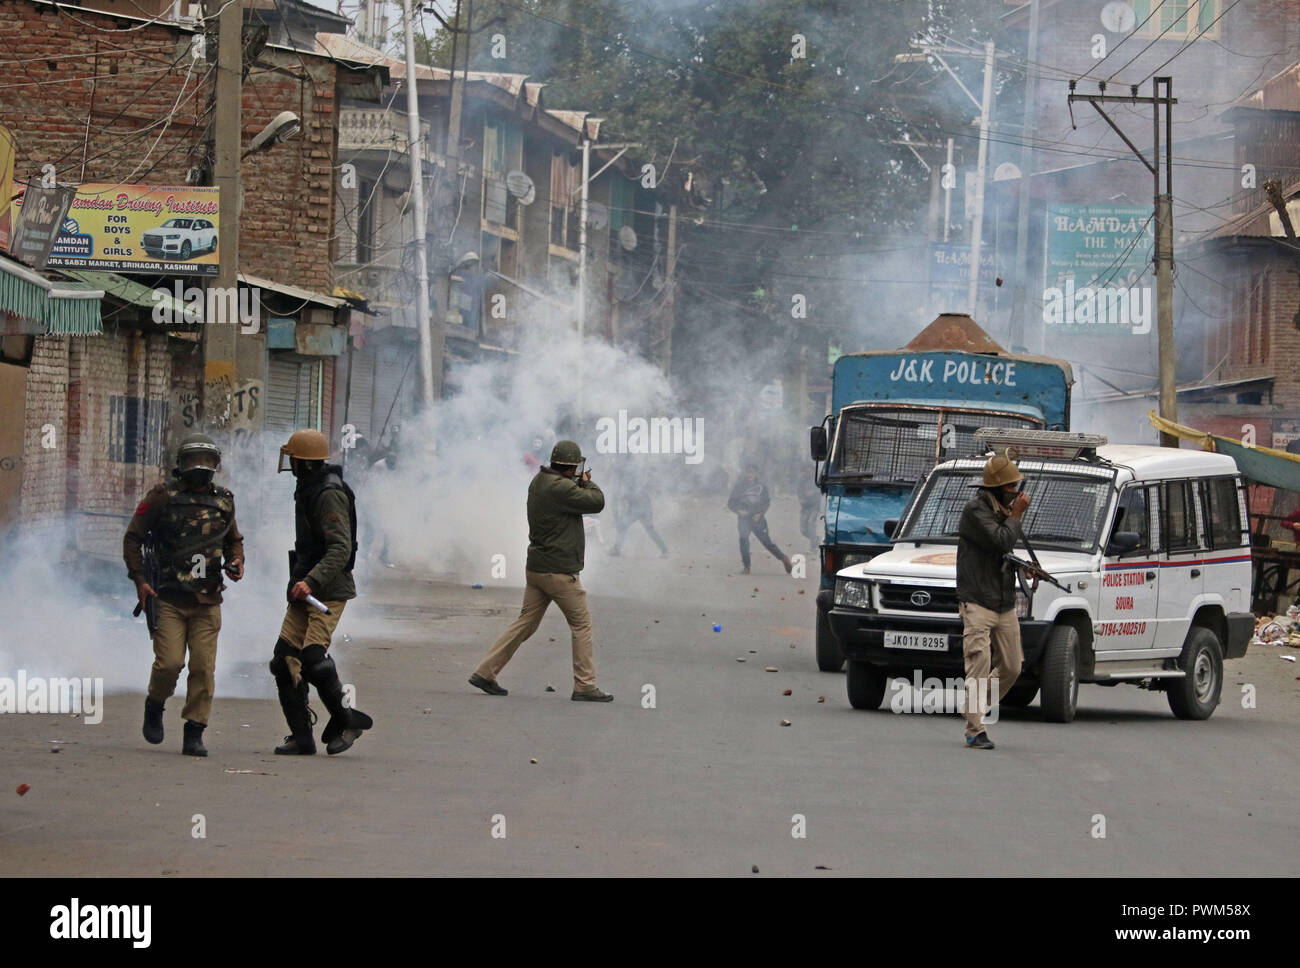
x: 304, y: 626
x: 985, y: 631
x: 194, y: 625
x: 542, y: 589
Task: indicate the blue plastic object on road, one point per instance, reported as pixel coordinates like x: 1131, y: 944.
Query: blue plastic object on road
x: 717, y: 628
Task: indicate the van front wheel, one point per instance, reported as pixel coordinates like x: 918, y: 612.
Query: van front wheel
x: 866, y: 685
x: 1196, y: 695
x: 1060, y: 677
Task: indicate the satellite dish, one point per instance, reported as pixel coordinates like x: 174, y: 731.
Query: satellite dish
x: 597, y: 215
x: 627, y: 238
x: 1118, y: 17
x: 521, y: 187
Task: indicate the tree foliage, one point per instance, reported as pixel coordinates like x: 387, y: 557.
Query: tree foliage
x: 785, y: 116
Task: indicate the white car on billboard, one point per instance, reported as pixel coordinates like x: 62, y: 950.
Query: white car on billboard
x: 180, y: 238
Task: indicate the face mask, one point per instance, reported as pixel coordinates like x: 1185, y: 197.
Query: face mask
x: 197, y: 475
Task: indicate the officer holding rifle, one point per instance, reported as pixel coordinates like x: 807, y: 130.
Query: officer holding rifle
x: 173, y: 549
x: 989, y: 531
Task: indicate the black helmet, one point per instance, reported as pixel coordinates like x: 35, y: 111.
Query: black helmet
x: 197, y: 444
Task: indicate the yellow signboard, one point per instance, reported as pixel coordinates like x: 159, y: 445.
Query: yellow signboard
x: 7, y: 149
x: 140, y: 229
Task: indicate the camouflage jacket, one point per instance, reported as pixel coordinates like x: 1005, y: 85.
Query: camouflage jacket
x: 177, y: 519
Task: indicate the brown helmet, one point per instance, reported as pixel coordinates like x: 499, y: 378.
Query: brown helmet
x: 1001, y: 469
x: 305, y: 445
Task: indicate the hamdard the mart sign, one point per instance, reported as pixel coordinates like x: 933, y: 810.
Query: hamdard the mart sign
x: 140, y: 229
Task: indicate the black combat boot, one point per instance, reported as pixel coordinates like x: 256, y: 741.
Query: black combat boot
x: 345, y: 725
x: 153, y: 721
x: 293, y: 701
x: 193, y: 743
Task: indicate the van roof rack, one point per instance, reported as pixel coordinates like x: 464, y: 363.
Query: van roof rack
x: 1041, y: 444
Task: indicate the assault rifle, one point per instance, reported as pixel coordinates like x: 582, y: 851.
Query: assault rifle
x: 152, y: 577
x: 1033, y: 570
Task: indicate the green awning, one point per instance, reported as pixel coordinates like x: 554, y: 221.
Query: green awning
x: 129, y: 291
x: 63, y: 307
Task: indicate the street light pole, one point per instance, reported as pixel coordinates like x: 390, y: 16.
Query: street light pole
x: 430, y: 354
x: 977, y: 231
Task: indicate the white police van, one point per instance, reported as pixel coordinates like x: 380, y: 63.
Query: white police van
x: 1150, y: 544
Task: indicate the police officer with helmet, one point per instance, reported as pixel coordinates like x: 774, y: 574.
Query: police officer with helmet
x: 558, y: 497
x: 320, y: 565
x: 188, y: 524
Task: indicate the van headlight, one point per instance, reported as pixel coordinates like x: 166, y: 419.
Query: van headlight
x: 1022, y: 605
x: 853, y: 594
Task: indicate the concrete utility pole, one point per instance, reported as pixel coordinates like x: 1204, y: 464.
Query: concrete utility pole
x: 985, y: 106
x: 1164, y: 218
x: 220, y: 372
x: 582, y: 235
x: 1020, y: 301
x: 977, y: 232
x: 430, y: 348
x: 670, y: 287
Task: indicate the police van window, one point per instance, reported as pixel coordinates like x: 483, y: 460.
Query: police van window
x: 1225, y: 513
x: 1155, y: 517
x: 1131, y: 515
x: 1180, y: 516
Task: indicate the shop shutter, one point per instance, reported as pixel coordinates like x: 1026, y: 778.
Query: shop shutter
x: 360, y: 403
x: 292, y: 394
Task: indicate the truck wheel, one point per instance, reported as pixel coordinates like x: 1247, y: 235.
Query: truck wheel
x: 1021, y: 694
x: 1197, y: 694
x: 829, y: 656
x: 866, y: 685
x: 1060, y: 676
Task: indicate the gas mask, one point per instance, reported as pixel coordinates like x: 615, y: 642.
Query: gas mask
x: 197, y: 476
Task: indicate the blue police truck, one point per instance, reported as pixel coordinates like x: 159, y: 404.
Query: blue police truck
x: 894, y: 414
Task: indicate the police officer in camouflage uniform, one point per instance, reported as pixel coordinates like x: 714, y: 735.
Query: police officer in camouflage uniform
x: 320, y: 565
x: 191, y: 524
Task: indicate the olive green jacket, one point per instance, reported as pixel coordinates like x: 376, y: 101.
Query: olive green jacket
x: 556, y: 504
x: 987, y: 532
x: 327, y: 526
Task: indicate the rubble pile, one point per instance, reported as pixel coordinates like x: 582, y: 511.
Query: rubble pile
x: 1281, y: 630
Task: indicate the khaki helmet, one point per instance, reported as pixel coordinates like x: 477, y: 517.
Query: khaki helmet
x: 197, y: 444
x: 304, y: 445
x: 1001, y: 469
x: 567, y: 452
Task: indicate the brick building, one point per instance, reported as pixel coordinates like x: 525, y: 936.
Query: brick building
x: 106, y: 97
x: 502, y: 230
x: 1216, y: 52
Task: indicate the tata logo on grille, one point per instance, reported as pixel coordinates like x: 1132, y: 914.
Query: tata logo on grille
x: 920, y: 599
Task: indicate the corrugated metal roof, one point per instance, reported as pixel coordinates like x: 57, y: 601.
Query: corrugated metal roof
x: 306, y: 295
x: 1262, y: 221
x: 1281, y: 92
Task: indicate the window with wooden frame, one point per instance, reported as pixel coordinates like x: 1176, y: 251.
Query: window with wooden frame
x: 503, y: 152
x: 1178, y: 19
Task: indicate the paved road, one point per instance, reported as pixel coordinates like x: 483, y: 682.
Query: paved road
x: 706, y: 782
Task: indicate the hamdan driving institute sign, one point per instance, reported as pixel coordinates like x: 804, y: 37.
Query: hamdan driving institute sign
x: 1098, y: 269
x: 140, y: 229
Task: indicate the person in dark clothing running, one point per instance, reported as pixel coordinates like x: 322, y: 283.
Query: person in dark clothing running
x: 634, y: 507
x: 749, y: 502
